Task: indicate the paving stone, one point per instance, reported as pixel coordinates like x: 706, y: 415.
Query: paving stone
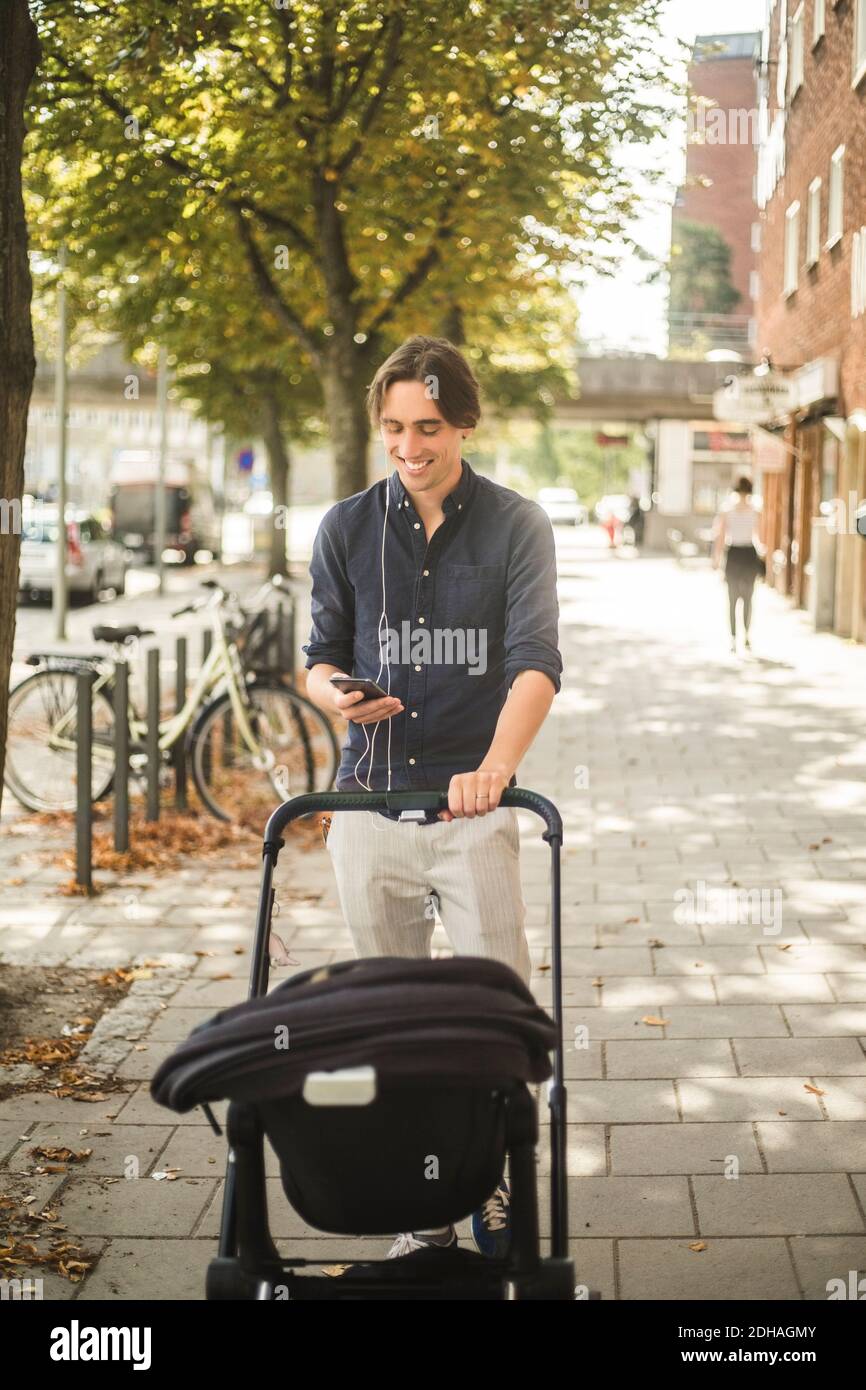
x: 844, y: 1097
x: 709, y: 960
x: 139, y: 1109
x: 775, y: 989
x: 799, y: 1056
x: 777, y: 1204
x: 652, y: 991
x: 688, y: 1057
x: 820, y: 1259
x: 822, y: 1021
x: 607, y: 960
x: 141, y: 1207
x: 747, y: 1098
x: 112, y: 1147
x: 848, y: 988
x: 159, y: 1269
x: 609, y: 1102
x: 582, y: 1063
x: 816, y: 959
x: 754, y: 1270
x: 687, y: 1148
x: 644, y: 1206
x: 725, y: 1021
x: 814, y: 1147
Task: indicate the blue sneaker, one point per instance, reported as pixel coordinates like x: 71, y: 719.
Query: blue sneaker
x: 491, y: 1226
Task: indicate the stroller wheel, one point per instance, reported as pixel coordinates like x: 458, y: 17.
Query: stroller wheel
x: 225, y: 1282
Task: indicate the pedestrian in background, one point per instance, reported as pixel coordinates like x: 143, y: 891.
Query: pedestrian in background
x: 736, y: 537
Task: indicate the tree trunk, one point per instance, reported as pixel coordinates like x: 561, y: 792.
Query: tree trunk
x: 278, y: 470
x: 19, y: 54
x: 452, y: 326
x: 344, y: 384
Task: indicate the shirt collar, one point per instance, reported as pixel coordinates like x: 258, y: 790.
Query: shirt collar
x: 456, y: 499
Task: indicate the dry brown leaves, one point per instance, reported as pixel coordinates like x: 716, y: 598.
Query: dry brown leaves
x: 31, y: 1239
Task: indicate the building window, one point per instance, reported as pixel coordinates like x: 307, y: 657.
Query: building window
x: 792, y: 248
x: 756, y: 236
x: 858, y: 274
x: 754, y: 285
x: 860, y: 41
x: 819, y: 21
x: 813, y: 225
x: 797, y: 46
x: 835, y: 208
x: 782, y: 60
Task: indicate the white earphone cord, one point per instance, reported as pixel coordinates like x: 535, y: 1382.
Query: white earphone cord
x: 370, y: 744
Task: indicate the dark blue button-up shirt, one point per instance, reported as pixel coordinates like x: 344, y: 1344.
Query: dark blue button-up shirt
x: 466, y: 611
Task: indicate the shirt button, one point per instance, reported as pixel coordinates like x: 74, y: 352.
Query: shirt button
x: 406, y: 503
x: 411, y: 762
x: 421, y: 620
x: 460, y: 506
x: 425, y: 573
x: 417, y: 668
x: 417, y: 526
x: 414, y: 714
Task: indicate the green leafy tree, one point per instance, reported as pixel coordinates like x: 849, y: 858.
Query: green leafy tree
x: 368, y: 162
x: 700, y: 271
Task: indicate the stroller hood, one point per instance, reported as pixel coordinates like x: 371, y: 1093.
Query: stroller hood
x: 462, y: 1020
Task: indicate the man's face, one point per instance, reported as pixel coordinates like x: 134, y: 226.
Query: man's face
x: 422, y: 445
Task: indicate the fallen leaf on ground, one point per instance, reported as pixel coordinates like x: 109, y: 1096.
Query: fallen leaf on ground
x: 816, y: 1091
x: 655, y: 1022
x: 698, y: 1246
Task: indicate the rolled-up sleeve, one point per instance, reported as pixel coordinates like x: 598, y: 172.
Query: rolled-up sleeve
x: 332, y: 606
x: 532, y: 606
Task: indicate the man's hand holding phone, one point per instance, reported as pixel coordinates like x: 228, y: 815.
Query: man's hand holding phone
x: 366, y: 703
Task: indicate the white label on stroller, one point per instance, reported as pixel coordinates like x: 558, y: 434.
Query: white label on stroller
x: 351, y: 1086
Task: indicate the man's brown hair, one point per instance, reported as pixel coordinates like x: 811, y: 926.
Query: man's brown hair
x: 444, y: 371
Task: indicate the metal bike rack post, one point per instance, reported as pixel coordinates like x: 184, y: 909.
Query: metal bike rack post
x: 179, y: 750
x: 83, y: 805
x: 152, y: 737
x: 206, y: 644
x: 121, y: 756
x: 285, y: 654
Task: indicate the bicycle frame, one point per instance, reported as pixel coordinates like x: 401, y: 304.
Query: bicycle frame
x: 222, y: 664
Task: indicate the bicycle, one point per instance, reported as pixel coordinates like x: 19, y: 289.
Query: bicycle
x: 252, y: 741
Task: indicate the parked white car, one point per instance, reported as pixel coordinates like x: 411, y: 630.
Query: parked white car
x: 94, y: 561
x: 562, y: 506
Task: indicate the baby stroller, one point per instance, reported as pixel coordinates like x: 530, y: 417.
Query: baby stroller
x: 389, y: 1068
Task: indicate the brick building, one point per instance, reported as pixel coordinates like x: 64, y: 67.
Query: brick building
x: 811, y: 304
x: 718, y: 190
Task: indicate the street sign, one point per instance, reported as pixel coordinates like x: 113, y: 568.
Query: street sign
x: 754, y: 400
x: 246, y: 459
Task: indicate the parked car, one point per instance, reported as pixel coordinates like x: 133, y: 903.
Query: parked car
x: 94, y: 560
x: 563, y: 506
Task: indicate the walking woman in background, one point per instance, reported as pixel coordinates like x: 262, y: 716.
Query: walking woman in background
x: 736, y: 535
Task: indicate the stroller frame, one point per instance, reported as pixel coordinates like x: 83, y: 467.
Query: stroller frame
x: 248, y: 1265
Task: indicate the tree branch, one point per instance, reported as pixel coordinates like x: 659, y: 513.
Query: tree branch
x: 271, y: 295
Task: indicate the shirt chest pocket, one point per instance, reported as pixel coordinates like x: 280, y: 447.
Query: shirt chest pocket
x: 475, y: 597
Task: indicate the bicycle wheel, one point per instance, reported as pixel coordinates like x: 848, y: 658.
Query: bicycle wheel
x: 42, y: 739
x: 298, y: 754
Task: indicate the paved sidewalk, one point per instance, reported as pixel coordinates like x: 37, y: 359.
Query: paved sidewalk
x: 675, y: 766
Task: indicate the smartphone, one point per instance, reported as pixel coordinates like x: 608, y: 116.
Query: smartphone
x: 369, y: 689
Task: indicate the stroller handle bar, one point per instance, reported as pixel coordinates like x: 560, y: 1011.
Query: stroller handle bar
x: 402, y: 801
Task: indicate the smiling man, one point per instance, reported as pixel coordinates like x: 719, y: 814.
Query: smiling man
x: 434, y: 549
